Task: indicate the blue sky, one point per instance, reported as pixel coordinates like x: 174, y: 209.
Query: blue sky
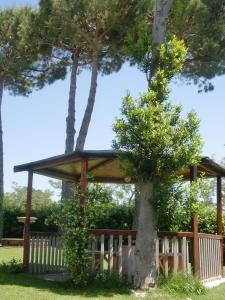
x: 34, y: 127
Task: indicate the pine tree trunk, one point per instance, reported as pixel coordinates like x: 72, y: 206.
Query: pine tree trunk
x: 161, y: 14
x: 89, y: 108
x: 145, y: 249
x: 1, y: 164
x: 67, y: 191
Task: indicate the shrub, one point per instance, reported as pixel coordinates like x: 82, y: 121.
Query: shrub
x: 76, y: 240
x: 182, y: 284
x: 14, y: 229
x: 107, y: 281
x: 13, y: 266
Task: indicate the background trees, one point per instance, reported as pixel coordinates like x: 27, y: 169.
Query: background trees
x: 199, y: 23
x: 15, y: 74
x: 86, y: 34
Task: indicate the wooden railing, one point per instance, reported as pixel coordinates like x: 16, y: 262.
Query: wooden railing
x: 113, y: 251
x: 46, y: 253
x: 172, y: 252
x: 210, y: 257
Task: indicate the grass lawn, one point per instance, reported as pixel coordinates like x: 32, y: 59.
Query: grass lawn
x: 7, y: 253
x: 24, y: 286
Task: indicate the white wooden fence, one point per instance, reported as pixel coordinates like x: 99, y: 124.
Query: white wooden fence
x: 172, y: 253
x: 210, y: 257
x: 113, y: 251
x: 46, y: 253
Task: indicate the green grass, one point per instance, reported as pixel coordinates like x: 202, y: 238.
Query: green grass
x: 23, y: 286
x: 27, y: 287
x: 7, y: 253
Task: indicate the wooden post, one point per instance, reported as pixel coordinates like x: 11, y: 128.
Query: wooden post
x: 26, y: 245
x: 193, y: 177
x: 193, y: 173
x: 220, y: 214
x: 196, y: 245
x: 83, y: 183
x: 219, y: 206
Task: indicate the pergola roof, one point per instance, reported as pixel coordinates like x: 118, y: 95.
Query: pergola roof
x: 104, y: 165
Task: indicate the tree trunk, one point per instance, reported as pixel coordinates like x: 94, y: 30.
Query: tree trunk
x: 1, y: 164
x: 161, y: 13
x: 67, y: 190
x: 136, y: 207
x: 89, y: 108
x: 145, y: 249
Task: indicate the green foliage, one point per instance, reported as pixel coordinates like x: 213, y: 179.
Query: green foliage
x: 100, y: 211
x: 13, y: 266
x: 155, y: 142
x: 182, y: 284
x: 17, y: 56
x: 111, y: 215
x: 19, y: 194
x: 42, y: 208
x: 182, y: 200
x: 107, y: 281
x: 74, y: 225
x: 110, y: 207
x: 200, y: 23
x: 86, y: 28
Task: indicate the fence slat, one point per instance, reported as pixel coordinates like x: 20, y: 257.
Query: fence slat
x: 102, y: 253
x: 49, y: 254
x: 175, y: 254
x: 165, y: 258
x: 36, y: 256
x: 45, y: 254
x: 157, y: 255
x: 32, y: 245
x: 184, y: 254
x: 110, y: 266
x: 129, y: 258
x: 120, y: 255
x: 210, y: 258
x: 55, y: 256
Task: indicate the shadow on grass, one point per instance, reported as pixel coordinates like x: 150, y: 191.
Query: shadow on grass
x: 61, y: 288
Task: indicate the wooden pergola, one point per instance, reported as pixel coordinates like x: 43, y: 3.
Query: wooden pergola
x: 105, y: 167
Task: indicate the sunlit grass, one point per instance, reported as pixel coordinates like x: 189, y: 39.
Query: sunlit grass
x: 27, y: 287
x: 7, y: 253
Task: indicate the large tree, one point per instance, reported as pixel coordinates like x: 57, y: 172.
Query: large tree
x: 15, y: 57
x: 86, y: 34
x: 23, y: 65
x: 158, y: 143
x: 200, y: 23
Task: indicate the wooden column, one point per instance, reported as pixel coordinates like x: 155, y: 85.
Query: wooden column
x: 193, y: 177
x: 195, y: 244
x: 83, y: 183
x: 26, y: 246
x: 220, y: 214
x: 219, y: 205
x: 193, y: 173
